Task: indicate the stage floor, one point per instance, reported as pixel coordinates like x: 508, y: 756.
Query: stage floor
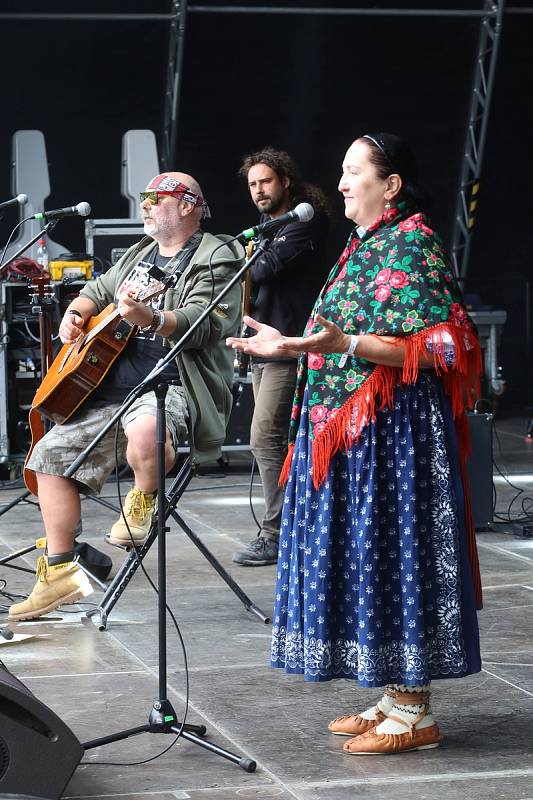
x: 101, y: 682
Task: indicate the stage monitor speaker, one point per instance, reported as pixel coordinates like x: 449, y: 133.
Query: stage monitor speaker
x: 479, y: 468
x: 240, y: 421
x: 38, y: 752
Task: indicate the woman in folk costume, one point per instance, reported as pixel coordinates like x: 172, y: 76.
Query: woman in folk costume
x: 378, y: 578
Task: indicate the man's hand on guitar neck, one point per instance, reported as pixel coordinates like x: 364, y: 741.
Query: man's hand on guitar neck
x: 135, y: 311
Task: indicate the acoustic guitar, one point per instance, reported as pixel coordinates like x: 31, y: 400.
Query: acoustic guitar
x: 80, y: 367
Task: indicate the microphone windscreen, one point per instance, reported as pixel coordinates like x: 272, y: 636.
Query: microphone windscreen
x: 83, y: 209
x: 305, y: 212
x: 22, y: 199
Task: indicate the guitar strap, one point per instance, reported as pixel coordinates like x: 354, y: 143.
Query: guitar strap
x: 247, y: 283
x: 179, y: 261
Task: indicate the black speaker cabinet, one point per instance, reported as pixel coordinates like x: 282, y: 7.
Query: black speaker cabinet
x: 479, y: 468
x: 38, y: 752
x: 238, y: 430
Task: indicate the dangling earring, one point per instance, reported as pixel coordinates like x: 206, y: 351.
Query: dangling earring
x: 387, y: 206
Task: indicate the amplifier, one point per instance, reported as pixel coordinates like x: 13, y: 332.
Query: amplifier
x: 479, y: 467
x: 102, y: 236
x: 38, y: 752
x: 240, y: 421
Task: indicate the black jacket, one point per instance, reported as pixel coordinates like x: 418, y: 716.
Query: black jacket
x: 287, y: 278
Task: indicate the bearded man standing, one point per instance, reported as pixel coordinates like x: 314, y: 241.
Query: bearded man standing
x: 285, y: 281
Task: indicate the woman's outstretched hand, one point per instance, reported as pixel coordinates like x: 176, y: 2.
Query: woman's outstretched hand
x: 269, y: 342
x: 329, y: 340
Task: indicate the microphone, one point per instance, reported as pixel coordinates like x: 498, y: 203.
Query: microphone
x: 82, y: 210
x: 303, y: 212
x: 22, y: 199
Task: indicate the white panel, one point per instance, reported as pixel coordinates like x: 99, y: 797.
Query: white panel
x: 139, y: 165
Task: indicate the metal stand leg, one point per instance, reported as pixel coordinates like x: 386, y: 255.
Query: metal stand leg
x: 100, y: 614
x: 118, y: 585
x: 22, y: 498
x: 136, y: 555
x: 92, y: 576
x: 5, y: 561
x: 235, y: 588
x: 162, y: 718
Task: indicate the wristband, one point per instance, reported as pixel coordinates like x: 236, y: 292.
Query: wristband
x: 73, y: 312
x: 158, y: 320
x: 161, y: 315
x: 349, y: 352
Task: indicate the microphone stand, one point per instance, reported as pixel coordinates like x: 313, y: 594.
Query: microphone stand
x: 50, y: 225
x: 162, y: 717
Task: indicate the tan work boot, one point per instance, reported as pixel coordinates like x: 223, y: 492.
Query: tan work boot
x: 139, y: 511
x: 56, y: 585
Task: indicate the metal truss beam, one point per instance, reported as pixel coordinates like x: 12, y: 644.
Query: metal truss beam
x: 468, y: 194
x: 340, y: 12
x: 50, y: 16
x: 176, y: 47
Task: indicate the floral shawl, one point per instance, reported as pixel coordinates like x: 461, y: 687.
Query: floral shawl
x: 395, y: 281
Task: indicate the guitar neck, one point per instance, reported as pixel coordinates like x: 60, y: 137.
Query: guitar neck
x: 158, y: 289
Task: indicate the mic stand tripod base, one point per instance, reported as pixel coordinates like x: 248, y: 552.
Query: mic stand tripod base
x: 162, y: 719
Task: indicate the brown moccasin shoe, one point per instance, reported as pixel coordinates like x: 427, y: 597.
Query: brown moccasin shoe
x: 354, y: 724
x: 372, y: 743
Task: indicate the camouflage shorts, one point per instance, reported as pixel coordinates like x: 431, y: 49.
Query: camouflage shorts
x: 63, y: 443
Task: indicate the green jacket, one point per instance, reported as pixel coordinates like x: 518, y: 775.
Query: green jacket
x: 206, y: 364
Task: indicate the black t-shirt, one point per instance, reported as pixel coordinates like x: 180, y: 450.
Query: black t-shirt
x: 143, y: 350
x: 287, y: 278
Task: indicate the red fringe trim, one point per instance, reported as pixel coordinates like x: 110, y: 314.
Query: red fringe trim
x: 286, y: 468
x: 346, y: 427
x: 461, y: 383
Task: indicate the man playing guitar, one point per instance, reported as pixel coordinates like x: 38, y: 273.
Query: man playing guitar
x: 197, y: 407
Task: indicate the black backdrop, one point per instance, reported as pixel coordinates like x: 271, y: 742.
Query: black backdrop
x: 308, y: 84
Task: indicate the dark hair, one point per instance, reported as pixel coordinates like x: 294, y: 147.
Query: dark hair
x: 284, y: 167
x: 389, y: 154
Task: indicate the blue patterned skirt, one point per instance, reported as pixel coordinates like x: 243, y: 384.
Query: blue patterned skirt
x: 374, y: 581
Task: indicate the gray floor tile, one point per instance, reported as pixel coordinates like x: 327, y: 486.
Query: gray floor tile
x: 101, y: 682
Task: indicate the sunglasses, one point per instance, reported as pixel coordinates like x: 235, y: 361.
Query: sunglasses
x: 153, y: 196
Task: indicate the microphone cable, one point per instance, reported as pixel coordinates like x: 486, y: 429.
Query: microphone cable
x: 176, y: 626
x: 17, y: 226
x: 151, y: 582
